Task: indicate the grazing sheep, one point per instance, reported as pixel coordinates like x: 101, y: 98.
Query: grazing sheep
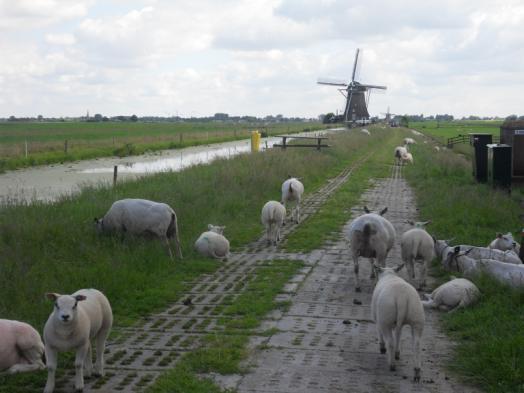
x: 213, y: 243
x: 506, y: 273
x: 142, y: 217
x: 452, y: 295
x: 477, y: 252
x: 21, y: 348
x: 365, y: 131
x: 75, y: 320
x: 505, y: 242
x: 409, y: 141
x: 399, y: 151
x: 408, y: 157
x: 417, y: 244
x: 273, y: 215
x: 396, y: 303
x: 370, y: 236
x: 292, y: 190
x: 436, y: 148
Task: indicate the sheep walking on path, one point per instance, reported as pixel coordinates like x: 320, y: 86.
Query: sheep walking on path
x: 396, y: 303
x: 75, y: 320
x: 21, y: 348
x: 417, y: 245
x: 452, y: 295
x: 405, y: 158
x: 213, y: 243
x: 370, y: 236
x: 292, y: 190
x: 399, y: 152
x: 272, y: 217
x: 142, y: 217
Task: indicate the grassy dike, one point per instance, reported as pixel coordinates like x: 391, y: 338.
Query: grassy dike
x: 490, y: 351
x: 55, y: 248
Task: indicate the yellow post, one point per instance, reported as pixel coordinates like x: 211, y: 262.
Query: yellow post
x: 255, y: 141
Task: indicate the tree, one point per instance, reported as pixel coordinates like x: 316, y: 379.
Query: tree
x: 97, y: 117
x: 329, y: 118
x: 511, y: 117
x: 404, y: 121
x: 133, y: 118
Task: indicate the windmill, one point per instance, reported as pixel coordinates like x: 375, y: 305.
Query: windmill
x: 356, y: 94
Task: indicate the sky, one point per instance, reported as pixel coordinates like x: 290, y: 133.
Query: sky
x: 259, y: 57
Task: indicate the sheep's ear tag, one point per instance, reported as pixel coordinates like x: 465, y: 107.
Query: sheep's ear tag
x: 52, y: 296
x: 383, y: 211
x: 79, y: 298
x: 457, y: 249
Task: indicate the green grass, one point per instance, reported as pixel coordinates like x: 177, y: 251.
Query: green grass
x: 490, y: 351
x: 46, y: 141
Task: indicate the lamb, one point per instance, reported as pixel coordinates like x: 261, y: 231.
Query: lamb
x: 75, y: 320
x: 417, y: 244
x: 21, y: 348
x: 399, y: 151
x: 408, y: 157
x: 273, y: 215
x: 452, y: 295
x: 396, y: 303
x: 477, y: 252
x: 370, y: 236
x: 142, y: 217
x: 213, y: 243
x: 505, y: 242
x: 292, y: 190
x: 409, y: 141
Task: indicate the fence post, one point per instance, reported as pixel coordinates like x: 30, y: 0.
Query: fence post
x: 65, y: 146
x: 26, y: 148
x: 181, y: 138
x: 115, y: 174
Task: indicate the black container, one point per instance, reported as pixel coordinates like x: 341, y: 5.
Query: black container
x: 480, y: 160
x: 499, y: 165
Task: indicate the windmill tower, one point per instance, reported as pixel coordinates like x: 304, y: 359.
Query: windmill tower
x: 356, y: 94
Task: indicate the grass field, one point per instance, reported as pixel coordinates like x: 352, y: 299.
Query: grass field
x: 49, y: 143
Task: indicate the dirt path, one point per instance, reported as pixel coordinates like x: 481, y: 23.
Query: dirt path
x: 313, y: 351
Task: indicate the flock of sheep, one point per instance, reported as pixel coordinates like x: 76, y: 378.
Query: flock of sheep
x: 86, y: 315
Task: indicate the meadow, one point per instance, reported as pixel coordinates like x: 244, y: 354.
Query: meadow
x: 58, y: 142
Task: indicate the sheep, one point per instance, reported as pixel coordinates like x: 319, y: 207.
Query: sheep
x: 409, y: 141
x: 21, y: 348
x: 370, y: 236
x: 365, y: 131
x: 213, y: 243
x: 292, y: 190
x: 506, y: 273
x: 479, y: 252
x: 505, y: 242
x: 396, y: 303
x: 141, y: 217
x: 75, y: 320
x: 408, y: 157
x: 452, y: 295
x: 436, y: 148
x: 417, y: 244
x: 273, y: 215
x: 399, y: 151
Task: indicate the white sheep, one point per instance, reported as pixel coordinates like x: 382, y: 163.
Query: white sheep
x: 213, y: 243
x: 505, y: 242
x: 436, y: 148
x: 478, y: 253
x: 399, y: 152
x: 417, y: 244
x: 142, y: 217
x: 409, y: 141
x: 396, y: 303
x: 370, y: 236
x: 408, y: 157
x: 21, y: 348
x: 452, y: 295
x: 292, y: 190
x: 272, y: 217
x: 75, y: 320
x: 365, y: 131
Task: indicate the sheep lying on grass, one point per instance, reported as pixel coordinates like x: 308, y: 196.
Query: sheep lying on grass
x: 396, y: 303
x: 21, y: 348
x: 142, y: 217
x: 213, y: 243
x: 292, y: 190
x: 408, y: 157
x: 75, y: 320
x: 399, y: 152
x: 370, y: 236
x: 452, y: 295
x: 417, y: 244
x: 442, y: 248
x: 505, y: 242
x: 409, y: 141
x: 272, y: 217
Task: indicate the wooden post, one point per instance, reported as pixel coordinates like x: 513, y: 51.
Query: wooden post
x: 115, y: 174
x: 318, y: 144
x: 181, y: 138
x: 284, y: 142
x: 26, y: 148
x: 65, y: 147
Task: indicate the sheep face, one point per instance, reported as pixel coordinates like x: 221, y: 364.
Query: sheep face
x: 504, y: 242
x: 216, y: 229
x: 65, y: 307
x: 99, y: 224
